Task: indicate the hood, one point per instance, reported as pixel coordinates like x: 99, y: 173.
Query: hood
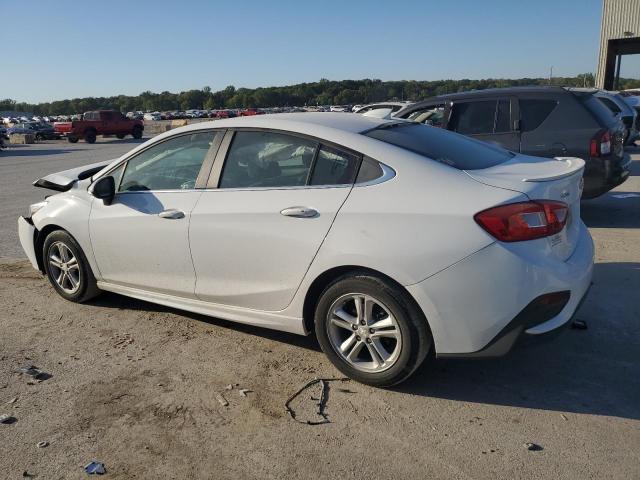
x: 63, y: 181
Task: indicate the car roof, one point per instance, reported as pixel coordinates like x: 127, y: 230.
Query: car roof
x: 301, y: 122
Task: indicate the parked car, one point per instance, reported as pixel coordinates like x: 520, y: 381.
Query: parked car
x: 543, y: 121
x: 42, y: 131
x: 623, y: 111
x: 420, y: 241
x: 155, y: 116
x: 338, y: 108
x: 100, y: 122
x: 392, y: 107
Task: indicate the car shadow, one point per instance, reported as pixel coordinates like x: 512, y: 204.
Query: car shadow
x: 614, y: 209
x: 10, y: 152
x: 113, y: 300
x: 594, y: 371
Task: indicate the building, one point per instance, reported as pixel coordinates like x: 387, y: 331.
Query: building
x: 619, y: 36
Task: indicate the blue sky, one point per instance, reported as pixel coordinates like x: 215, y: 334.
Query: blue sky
x: 63, y: 49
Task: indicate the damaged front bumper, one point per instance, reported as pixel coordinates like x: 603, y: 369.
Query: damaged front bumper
x: 26, y: 232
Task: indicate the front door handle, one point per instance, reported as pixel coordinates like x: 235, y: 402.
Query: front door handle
x: 171, y: 214
x: 299, y: 212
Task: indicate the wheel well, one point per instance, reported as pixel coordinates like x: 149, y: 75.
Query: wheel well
x: 39, y: 243
x: 325, y: 278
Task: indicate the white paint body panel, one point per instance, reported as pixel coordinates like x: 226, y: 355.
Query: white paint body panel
x: 135, y: 247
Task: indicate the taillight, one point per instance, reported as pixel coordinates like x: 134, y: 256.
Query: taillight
x: 600, y: 144
x: 521, y: 221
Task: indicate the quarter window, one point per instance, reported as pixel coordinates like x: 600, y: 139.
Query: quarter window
x: 334, y: 167
x: 170, y: 165
x: 267, y: 159
x: 533, y: 112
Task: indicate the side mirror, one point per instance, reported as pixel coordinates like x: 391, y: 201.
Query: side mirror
x: 105, y: 189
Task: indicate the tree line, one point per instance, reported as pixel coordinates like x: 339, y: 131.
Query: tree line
x: 323, y: 92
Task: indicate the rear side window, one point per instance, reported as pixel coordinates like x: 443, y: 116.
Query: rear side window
x: 473, y: 118
x: 334, y: 167
x: 534, y: 111
x: 267, y: 159
x: 610, y: 104
x: 457, y: 151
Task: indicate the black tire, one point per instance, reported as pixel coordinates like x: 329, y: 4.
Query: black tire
x: 120, y: 135
x: 90, y: 136
x: 87, y: 287
x: 416, y: 337
x: 39, y: 137
x: 137, y: 132
x: 72, y: 139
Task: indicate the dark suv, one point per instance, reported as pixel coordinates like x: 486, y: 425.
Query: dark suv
x: 541, y: 121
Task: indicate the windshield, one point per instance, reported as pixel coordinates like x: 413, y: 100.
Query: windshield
x: 446, y: 147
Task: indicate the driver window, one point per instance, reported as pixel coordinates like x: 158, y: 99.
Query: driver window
x: 170, y: 165
x: 267, y: 159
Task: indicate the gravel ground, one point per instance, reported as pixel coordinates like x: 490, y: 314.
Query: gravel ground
x: 136, y: 386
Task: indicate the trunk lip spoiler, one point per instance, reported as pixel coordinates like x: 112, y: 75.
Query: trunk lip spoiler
x: 577, y: 164
x: 64, y: 181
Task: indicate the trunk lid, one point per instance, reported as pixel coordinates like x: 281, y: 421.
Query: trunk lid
x: 63, y: 127
x: 538, y: 178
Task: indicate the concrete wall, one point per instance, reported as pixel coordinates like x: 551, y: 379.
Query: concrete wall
x: 618, y: 17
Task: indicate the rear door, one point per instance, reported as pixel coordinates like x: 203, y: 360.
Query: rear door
x: 489, y: 119
x: 272, y: 199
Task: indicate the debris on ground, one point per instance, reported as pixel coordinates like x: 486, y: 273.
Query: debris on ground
x: 321, y: 402
x: 579, y: 325
x: 95, y: 468
x: 533, y: 447
x: 243, y: 392
x: 221, y: 400
x: 13, y: 400
x: 34, y: 372
x: 7, y: 419
x: 42, y: 444
x: 229, y: 387
x: 564, y: 416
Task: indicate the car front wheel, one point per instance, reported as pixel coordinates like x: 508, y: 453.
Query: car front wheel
x: 67, y: 268
x: 371, y: 329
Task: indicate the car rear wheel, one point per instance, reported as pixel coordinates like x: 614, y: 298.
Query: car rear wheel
x: 137, y: 132
x: 371, y: 329
x: 67, y: 268
x: 90, y: 136
x: 72, y: 139
x: 39, y: 136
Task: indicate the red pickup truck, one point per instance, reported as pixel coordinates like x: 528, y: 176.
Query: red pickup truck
x: 101, y: 122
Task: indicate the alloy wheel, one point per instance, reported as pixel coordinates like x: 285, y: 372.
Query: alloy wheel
x: 364, y: 332
x: 64, y: 268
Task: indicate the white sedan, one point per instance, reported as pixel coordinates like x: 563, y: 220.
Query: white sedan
x: 392, y: 240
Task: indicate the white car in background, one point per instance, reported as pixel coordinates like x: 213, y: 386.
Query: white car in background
x: 155, y: 116
x: 391, y: 240
x: 389, y: 107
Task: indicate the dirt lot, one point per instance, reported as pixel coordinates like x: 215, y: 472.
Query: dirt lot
x: 136, y: 386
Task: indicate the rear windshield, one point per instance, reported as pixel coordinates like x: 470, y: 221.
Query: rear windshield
x: 446, y: 147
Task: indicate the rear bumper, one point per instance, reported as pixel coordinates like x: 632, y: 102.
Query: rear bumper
x: 604, y: 174
x: 26, y: 233
x: 477, y: 307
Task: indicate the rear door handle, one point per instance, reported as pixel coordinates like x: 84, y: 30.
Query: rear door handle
x: 299, y: 212
x: 171, y: 214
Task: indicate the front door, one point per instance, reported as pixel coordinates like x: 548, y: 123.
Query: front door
x: 142, y: 238
x: 254, y: 237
